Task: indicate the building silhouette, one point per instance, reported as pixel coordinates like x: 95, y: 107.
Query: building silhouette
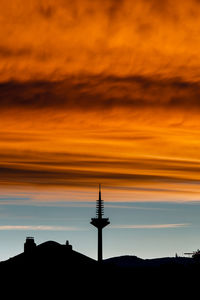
x: 99, y: 222
x: 29, y: 244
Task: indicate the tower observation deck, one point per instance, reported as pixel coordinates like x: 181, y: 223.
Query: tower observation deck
x: 99, y: 222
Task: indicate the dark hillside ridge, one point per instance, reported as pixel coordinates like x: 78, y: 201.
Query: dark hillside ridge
x: 46, y: 260
x: 49, y: 253
x: 129, y: 261
x: 54, y: 268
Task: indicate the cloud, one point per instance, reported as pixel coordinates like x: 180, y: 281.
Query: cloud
x: 39, y: 227
x: 99, y: 92
x: 150, y: 226
x: 52, y: 176
x: 121, y: 206
x: 77, y: 167
x: 121, y: 38
x: 6, y: 52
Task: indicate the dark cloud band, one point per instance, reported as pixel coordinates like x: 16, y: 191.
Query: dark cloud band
x: 97, y: 92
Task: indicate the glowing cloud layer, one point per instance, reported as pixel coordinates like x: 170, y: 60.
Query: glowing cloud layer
x: 54, y: 38
x: 149, y: 226
x: 38, y: 227
x: 101, y: 91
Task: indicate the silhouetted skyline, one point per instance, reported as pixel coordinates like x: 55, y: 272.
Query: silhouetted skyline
x: 69, y: 270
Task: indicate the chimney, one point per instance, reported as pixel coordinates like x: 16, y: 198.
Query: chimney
x: 29, y: 245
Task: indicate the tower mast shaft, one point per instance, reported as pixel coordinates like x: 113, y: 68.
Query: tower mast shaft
x: 100, y: 245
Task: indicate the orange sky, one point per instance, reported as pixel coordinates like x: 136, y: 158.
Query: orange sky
x: 101, y: 91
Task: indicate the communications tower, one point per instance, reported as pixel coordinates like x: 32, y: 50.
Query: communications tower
x: 99, y: 222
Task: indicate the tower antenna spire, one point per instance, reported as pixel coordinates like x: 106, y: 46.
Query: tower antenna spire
x: 99, y: 190
x: 99, y: 222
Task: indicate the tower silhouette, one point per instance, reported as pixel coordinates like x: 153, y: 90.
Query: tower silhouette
x: 99, y: 222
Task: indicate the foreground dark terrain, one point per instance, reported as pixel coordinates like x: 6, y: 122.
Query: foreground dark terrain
x: 54, y: 269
